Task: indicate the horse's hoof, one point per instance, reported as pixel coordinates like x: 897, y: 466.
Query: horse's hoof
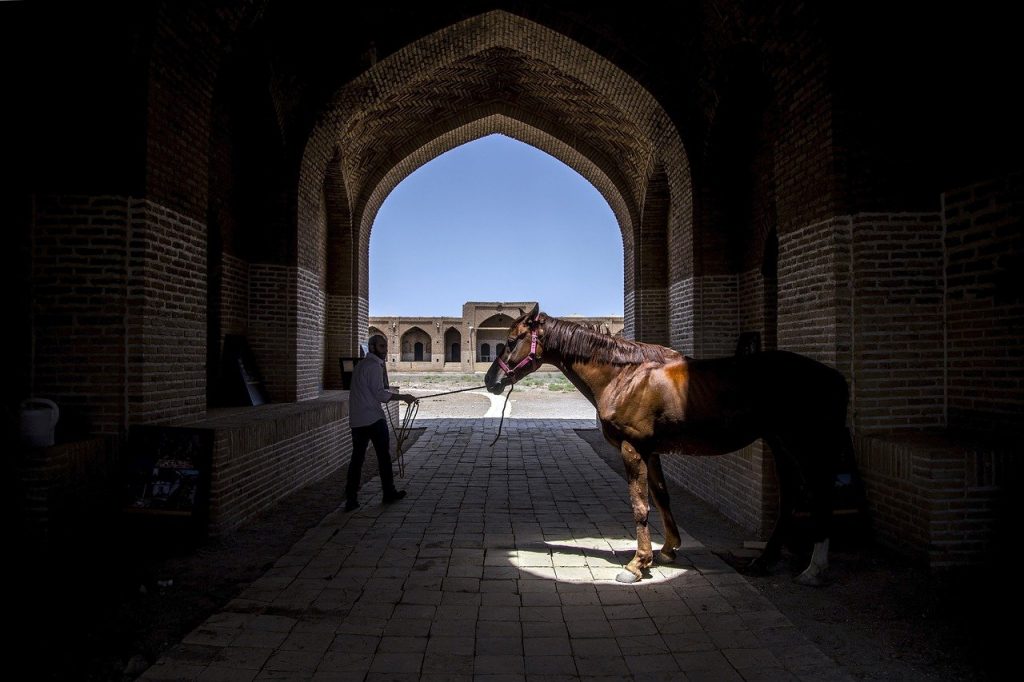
x: 626, y: 577
x: 810, y: 579
x: 666, y: 557
x: 756, y: 568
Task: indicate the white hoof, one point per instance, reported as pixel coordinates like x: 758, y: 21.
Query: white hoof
x: 810, y: 578
x: 626, y: 577
x: 814, y: 574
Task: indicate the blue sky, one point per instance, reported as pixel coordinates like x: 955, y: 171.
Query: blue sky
x: 495, y: 220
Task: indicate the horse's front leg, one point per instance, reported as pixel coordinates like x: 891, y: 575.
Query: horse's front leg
x: 636, y: 477
x: 659, y: 490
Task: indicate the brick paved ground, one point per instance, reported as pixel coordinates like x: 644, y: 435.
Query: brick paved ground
x: 499, y: 565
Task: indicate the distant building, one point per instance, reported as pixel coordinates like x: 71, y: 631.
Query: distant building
x: 462, y: 344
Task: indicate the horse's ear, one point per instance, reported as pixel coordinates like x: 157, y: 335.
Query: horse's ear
x: 542, y: 317
x: 534, y: 312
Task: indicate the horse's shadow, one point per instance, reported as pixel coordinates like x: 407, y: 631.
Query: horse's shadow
x: 613, y: 558
x: 610, y: 556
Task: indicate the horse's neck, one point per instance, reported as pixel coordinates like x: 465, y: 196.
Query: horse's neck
x: 590, y: 378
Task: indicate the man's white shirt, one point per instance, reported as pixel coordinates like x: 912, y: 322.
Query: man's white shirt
x: 367, y: 392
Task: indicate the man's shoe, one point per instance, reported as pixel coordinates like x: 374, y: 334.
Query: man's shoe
x: 391, y: 498
x: 351, y: 504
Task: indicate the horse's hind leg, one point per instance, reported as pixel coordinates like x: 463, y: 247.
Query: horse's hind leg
x: 656, y: 481
x: 636, y: 477
x: 821, y: 514
x: 787, y: 476
x: 819, y: 466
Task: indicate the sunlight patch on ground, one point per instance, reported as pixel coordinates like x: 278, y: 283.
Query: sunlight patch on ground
x: 587, y: 560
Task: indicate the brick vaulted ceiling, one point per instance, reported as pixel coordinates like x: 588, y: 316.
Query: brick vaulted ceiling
x: 498, y: 80
x: 495, y: 72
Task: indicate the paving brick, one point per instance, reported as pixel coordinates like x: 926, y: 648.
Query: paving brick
x: 526, y: 629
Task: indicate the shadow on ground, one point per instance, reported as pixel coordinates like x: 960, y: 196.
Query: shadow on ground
x: 880, y: 617
x: 104, y: 609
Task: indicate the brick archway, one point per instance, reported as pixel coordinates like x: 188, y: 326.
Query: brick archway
x: 499, y: 73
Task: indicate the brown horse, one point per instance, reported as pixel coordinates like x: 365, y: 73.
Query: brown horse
x: 652, y: 400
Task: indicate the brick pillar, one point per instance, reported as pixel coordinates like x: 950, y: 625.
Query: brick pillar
x: 814, y: 291
x: 681, y: 316
x: 167, y: 315
x: 650, y: 297
x: 119, y: 312
x: 79, y: 309
x: 234, y: 295
x: 343, y: 330
x: 310, y: 317
x: 272, y: 299
x: 718, y: 303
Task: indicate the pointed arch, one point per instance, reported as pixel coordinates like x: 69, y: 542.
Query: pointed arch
x: 499, y: 73
x: 411, y: 338
x: 453, y: 345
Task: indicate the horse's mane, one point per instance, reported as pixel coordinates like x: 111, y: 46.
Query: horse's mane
x: 576, y: 342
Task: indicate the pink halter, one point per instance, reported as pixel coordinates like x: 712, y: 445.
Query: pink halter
x: 528, y: 360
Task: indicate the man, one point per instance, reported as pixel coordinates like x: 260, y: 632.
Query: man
x: 368, y: 422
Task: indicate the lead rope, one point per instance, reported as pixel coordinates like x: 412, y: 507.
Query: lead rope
x: 402, y: 432
x: 500, y: 423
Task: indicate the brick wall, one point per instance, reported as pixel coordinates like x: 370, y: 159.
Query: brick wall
x: 753, y: 308
x: 340, y: 323
x: 271, y: 329
x: 735, y: 483
x: 363, y: 316
x: 718, y: 297
x: 234, y: 295
x: 310, y: 318
x: 681, y: 316
x: 342, y: 328
x: 261, y: 461
x: 650, y: 250
x: 119, y: 311
x: 166, y: 314
x: 898, y: 506
x: 628, y: 314
x: 814, y: 294
x: 804, y: 154
x: 649, y: 311
x: 311, y: 306
x: 984, y: 241
x: 905, y: 304
x: 182, y: 63
x: 79, y: 279
x: 741, y: 484
x: 897, y: 373
x: 938, y: 498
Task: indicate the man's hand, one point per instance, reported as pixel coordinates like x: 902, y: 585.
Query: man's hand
x: 409, y: 399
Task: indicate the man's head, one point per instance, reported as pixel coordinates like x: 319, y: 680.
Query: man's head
x: 378, y: 346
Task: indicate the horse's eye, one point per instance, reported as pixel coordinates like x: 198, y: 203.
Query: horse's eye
x: 511, y: 345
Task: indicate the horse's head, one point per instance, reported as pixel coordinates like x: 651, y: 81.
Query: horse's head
x: 522, y: 354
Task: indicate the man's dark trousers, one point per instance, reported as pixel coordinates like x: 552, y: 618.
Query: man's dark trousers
x: 376, y: 432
